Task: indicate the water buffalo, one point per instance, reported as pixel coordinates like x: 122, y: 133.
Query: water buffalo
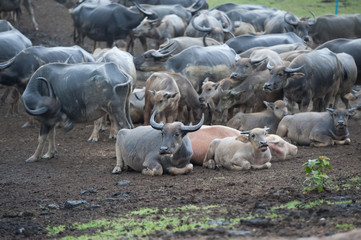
x: 244, y: 42
x: 105, y: 23
x: 161, y: 94
x: 312, y: 76
x: 164, y: 148
x: 349, y: 46
x: 246, y: 151
x: 11, y: 41
x: 204, y: 136
x: 161, y: 29
x: 61, y: 94
x: 281, y: 22
x: 269, y: 118
x: 256, y: 62
x: 317, y: 129
x: 196, y: 63
x: 207, y: 23
x: 328, y: 27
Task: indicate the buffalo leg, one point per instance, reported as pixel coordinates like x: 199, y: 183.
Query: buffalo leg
x: 120, y: 163
x: 44, y: 132
x: 30, y: 9
x: 178, y: 171
x: 209, y: 161
x: 342, y: 142
x: 52, y: 148
x: 152, y: 167
x: 94, y: 137
x: 263, y: 166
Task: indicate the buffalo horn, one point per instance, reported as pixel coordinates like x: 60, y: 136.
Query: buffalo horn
x: 199, y: 28
x: 255, y: 61
x: 288, y: 19
x: 229, y: 27
x: 269, y: 66
x: 192, y: 9
x: 292, y: 70
x: 153, y: 123
x: 314, y: 19
x: 158, y: 54
x: 194, y: 127
x: 143, y: 10
x: 7, y: 64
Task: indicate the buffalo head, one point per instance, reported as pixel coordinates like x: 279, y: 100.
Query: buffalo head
x: 280, y: 75
x: 172, y: 134
x: 340, y: 117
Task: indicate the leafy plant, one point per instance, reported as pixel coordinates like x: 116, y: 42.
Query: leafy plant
x: 315, y: 170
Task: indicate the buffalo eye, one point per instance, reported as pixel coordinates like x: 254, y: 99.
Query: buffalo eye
x: 209, y: 89
x: 280, y: 74
x: 160, y: 101
x: 276, y: 107
x: 253, y: 136
x: 176, y: 134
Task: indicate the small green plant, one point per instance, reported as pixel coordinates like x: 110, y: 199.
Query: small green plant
x: 315, y: 170
x: 345, y: 226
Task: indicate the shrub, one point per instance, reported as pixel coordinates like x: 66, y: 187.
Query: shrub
x: 315, y: 170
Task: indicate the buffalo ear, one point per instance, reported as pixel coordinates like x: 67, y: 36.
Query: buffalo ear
x: 216, y: 85
x: 351, y: 112
x: 269, y: 105
x: 243, y: 138
x: 297, y: 75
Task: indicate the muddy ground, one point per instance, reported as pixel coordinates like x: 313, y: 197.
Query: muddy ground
x: 33, y: 196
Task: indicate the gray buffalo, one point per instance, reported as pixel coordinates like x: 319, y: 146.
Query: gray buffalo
x: 312, y: 76
x: 156, y: 149
x: 63, y: 94
x: 317, y: 128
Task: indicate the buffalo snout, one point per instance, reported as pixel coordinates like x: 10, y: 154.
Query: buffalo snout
x: 263, y: 145
x: 164, y: 150
x: 267, y: 86
x: 201, y: 98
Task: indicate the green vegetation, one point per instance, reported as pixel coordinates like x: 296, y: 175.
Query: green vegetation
x: 301, y: 8
x: 315, y: 170
x: 345, y: 226
x: 146, y: 222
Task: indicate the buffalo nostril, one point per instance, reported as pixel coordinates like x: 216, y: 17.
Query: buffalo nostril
x: 201, y: 99
x: 306, y: 38
x: 163, y: 148
x: 234, y: 75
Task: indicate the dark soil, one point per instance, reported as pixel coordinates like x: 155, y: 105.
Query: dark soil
x: 26, y: 190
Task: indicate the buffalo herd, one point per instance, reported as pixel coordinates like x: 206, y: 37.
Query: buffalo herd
x: 232, y: 87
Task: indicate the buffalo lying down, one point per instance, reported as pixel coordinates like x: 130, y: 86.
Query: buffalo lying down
x: 156, y: 149
x: 248, y: 150
x: 317, y: 128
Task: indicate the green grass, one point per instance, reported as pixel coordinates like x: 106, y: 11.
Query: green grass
x: 301, y: 7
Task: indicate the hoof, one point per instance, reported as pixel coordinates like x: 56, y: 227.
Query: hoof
x: 48, y: 155
x: 116, y: 170
x: 93, y: 139
x: 31, y: 159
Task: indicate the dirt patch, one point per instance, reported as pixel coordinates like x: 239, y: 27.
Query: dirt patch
x: 35, y: 196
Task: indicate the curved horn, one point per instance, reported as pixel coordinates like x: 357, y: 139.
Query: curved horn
x: 143, y: 10
x: 194, y: 127
x: 158, y: 54
x: 199, y: 28
x: 269, y: 66
x: 42, y: 110
x: 229, y: 27
x: 8, y: 63
x: 192, y: 9
x: 154, y: 124
x: 288, y: 19
x: 314, y: 19
x: 155, y: 20
x: 258, y: 60
x: 292, y: 70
